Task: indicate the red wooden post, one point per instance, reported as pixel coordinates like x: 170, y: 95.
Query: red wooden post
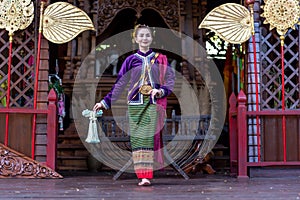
x: 8, y: 89
x: 52, y: 130
x: 242, y: 135
x: 283, y: 99
x: 233, y: 134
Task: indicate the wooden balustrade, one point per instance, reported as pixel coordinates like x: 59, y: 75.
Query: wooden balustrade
x: 20, y: 160
x: 238, y: 125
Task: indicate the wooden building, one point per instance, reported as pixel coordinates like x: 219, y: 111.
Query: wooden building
x: 184, y: 16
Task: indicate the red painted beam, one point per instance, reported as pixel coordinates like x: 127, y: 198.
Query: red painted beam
x: 273, y: 112
x: 23, y: 110
x: 273, y: 163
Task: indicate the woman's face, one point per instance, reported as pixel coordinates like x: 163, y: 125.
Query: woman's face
x: 143, y: 38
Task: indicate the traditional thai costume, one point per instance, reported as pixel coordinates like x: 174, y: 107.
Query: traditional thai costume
x: 137, y: 70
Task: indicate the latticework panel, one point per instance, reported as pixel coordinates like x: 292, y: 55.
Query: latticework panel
x: 22, y: 68
x: 4, y: 45
x: 271, y: 87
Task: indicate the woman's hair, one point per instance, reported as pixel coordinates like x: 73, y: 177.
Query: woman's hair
x: 139, y: 26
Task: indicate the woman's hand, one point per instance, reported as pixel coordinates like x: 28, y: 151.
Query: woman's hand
x: 155, y: 93
x: 98, y: 106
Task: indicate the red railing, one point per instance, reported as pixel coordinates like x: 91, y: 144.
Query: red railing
x: 238, y: 134
x: 51, y: 113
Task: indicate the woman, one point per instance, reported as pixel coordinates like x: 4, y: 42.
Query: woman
x: 150, y: 81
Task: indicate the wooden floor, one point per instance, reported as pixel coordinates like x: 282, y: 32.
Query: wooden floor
x: 264, y: 184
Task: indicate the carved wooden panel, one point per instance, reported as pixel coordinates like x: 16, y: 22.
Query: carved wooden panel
x: 108, y: 9
x: 14, y: 164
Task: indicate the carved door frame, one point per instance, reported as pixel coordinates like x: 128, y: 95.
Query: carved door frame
x: 107, y: 10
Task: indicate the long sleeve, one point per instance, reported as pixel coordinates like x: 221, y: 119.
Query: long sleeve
x: 120, y: 84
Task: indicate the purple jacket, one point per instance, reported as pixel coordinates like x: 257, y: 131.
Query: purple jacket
x: 130, y: 73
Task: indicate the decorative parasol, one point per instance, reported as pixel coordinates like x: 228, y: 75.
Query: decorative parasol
x: 231, y: 22
x: 281, y: 14
x: 62, y: 22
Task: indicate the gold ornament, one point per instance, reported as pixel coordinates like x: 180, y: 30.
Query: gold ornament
x: 62, y: 22
x: 281, y: 14
x: 232, y: 22
x: 145, y: 89
x: 15, y: 15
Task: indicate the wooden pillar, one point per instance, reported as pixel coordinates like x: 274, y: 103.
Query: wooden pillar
x: 233, y: 138
x: 242, y: 135
x: 85, y: 39
x: 187, y: 26
x: 52, y: 130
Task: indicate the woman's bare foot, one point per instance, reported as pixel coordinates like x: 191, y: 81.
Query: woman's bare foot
x: 144, y: 182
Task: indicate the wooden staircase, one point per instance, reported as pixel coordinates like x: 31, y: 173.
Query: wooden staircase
x: 71, y: 153
x: 220, y: 161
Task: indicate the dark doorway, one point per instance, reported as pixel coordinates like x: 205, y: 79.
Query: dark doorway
x: 126, y: 20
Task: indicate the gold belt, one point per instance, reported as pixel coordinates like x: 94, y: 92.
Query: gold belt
x: 145, y: 90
